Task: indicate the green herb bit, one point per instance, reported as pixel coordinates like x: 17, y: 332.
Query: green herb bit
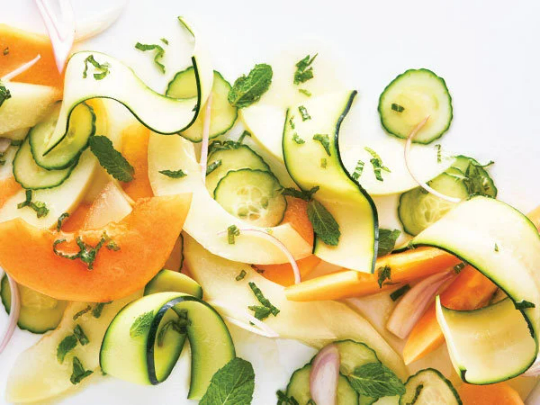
x: 324, y: 224
x: 6, y: 51
x: 223, y: 145
x: 232, y: 232
x: 241, y: 276
x: 358, y: 170
x: 81, y: 312
x: 66, y: 345
x: 304, y: 113
x: 260, y: 312
x: 376, y: 380
x: 39, y: 207
x: 439, y: 154
x: 213, y: 166
x: 377, y: 164
x: 173, y: 174
x: 324, y: 163
x: 98, y: 309
x: 325, y: 142
x: 110, y: 159
x: 397, y: 108
x: 524, y: 305
x: 80, y: 335
x: 61, y: 220
x: 297, y: 139
x: 305, y: 92
x: 283, y: 399
x: 262, y: 299
x: 142, y: 324
x: 400, y: 292
x: 158, y: 55
x: 103, y: 68
x: 459, y: 267
x: 165, y: 41
x: 87, y: 253
x: 301, y: 194
x: 247, y: 90
x: 5, y: 94
x: 79, y: 373
x: 384, y: 273
x: 291, y: 123
x: 496, y: 248
x: 387, y: 241
x: 304, y: 70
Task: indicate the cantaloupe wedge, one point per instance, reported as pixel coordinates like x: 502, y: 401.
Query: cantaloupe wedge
x: 23, y: 46
x: 296, y: 215
x: 135, y: 149
x: 500, y: 394
x: 145, y: 237
x: 283, y: 273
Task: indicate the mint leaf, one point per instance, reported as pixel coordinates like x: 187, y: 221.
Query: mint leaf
x: 477, y: 180
x: 297, y: 139
x: 232, y: 232
x: 247, y: 90
x: 260, y: 312
x: 39, y: 207
x: 233, y: 384
x: 66, y: 345
x: 358, y: 170
x: 5, y: 94
x: 82, y: 312
x: 262, y: 299
x: 80, y: 335
x: 377, y: 164
x: 141, y: 324
x: 98, y: 309
x: 324, y: 225
x: 400, y: 292
x: 304, y: 70
x: 304, y: 113
x: 397, y: 108
x: 524, y: 305
x: 325, y: 142
x: 158, y: 55
x: 61, y: 220
x: 387, y: 241
x: 301, y: 194
x: 241, y: 275
x: 173, y: 174
x: 376, y: 380
x: 110, y: 159
x: 103, y: 69
x: 384, y: 273
x: 79, y: 373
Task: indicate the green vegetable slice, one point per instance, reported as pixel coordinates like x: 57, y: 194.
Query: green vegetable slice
x: 429, y: 387
x: 470, y: 232
x: 412, y: 96
x: 173, y: 281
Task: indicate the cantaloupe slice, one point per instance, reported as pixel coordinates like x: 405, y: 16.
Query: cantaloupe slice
x: 145, y: 237
x: 23, y: 46
x: 135, y: 149
x: 500, y: 394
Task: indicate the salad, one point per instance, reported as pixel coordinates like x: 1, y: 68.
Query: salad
x: 139, y: 224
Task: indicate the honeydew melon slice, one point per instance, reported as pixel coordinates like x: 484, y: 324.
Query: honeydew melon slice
x: 206, y: 218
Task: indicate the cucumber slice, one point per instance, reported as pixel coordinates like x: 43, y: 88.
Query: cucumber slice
x: 172, y: 281
x: 252, y: 195
x: 298, y: 388
x: 135, y: 354
x: 505, y: 250
x: 420, y: 93
x: 173, y: 152
x: 340, y: 194
x: 82, y: 125
x: 241, y: 157
x: 429, y: 387
x: 166, y: 116
x: 419, y: 209
x: 223, y: 115
x: 466, y: 164
x: 33, y: 177
x: 39, y: 313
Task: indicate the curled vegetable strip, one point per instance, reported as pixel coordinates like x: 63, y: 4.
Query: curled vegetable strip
x: 324, y: 376
x: 206, y: 136
x: 21, y: 69
x: 13, y: 314
x: 423, y: 184
x: 261, y: 328
x: 95, y: 25
x: 413, y: 305
x: 278, y: 244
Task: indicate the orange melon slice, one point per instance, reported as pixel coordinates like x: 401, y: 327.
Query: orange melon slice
x: 146, y: 238
x: 135, y: 149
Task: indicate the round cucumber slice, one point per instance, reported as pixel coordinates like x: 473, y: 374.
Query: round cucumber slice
x: 470, y: 167
x: 429, y: 387
x: 172, y: 281
x: 299, y: 388
x: 241, y: 157
x: 33, y: 177
x: 184, y: 85
x: 252, y: 195
x: 82, y: 125
x: 412, y: 96
x: 145, y: 339
x: 39, y: 313
x: 418, y: 209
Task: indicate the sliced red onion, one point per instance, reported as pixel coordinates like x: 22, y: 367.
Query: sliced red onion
x: 258, y: 327
x: 95, y: 25
x: 206, y: 137
x: 13, y: 314
x: 61, y: 33
x: 414, y: 303
x: 324, y: 376
x: 278, y: 244
x: 4, y: 144
x: 20, y: 69
x: 534, y: 396
x: 423, y: 184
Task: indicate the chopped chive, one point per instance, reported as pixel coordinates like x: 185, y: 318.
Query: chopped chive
x: 304, y: 113
x: 232, y: 232
x: 173, y: 174
x: 305, y: 92
x: 358, y: 170
x: 241, y: 275
x: 325, y: 142
x: 398, y: 108
x: 298, y: 140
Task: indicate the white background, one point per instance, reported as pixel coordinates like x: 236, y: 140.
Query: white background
x: 486, y: 51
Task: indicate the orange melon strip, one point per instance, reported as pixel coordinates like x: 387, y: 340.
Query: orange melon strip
x: 8, y: 188
x: 296, y: 215
x: 499, y: 394
x: 135, y: 149
x: 283, y: 273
